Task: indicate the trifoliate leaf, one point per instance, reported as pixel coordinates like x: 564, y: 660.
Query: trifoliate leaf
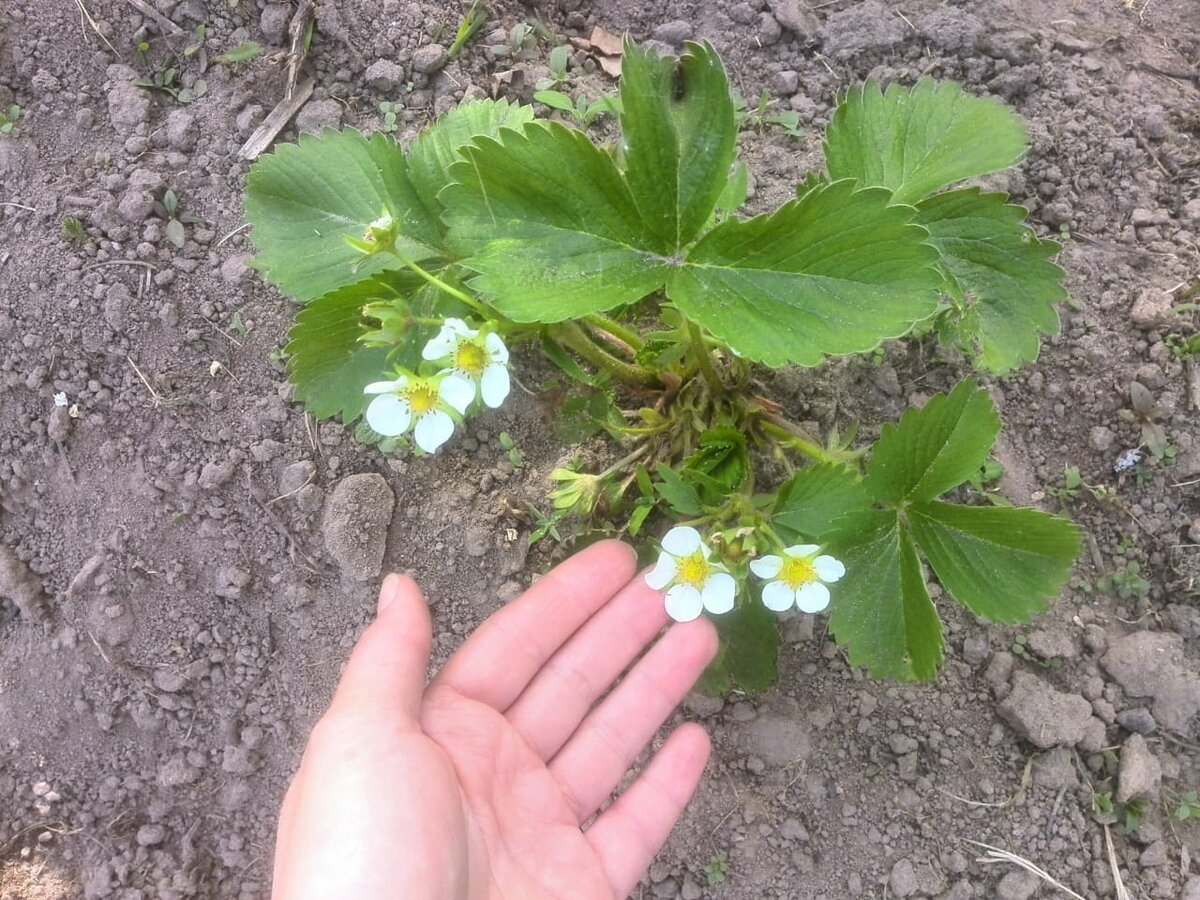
x: 832, y: 272
x: 571, y: 240
x: 439, y: 146
x: 814, y: 498
x: 1002, y: 564
x: 679, y: 132
x: 305, y: 199
x: 881, y: 611
x: 1001, y: 274
x: 328, y: 365
x: 934, y: 448
x: 916, y: 140
x: 749, y: 654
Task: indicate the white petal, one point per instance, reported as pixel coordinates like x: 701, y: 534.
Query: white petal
x: 682, y: 540
x: 497, y: 352
x: 719, y: 592
x: 684, y: 603
x: 459, y: 327
x: 433, y: 429
x: 441, y: 346
x: 799, y: 551
x: 813, y: 597
x: 828, y: 569
x: 457, y: 392
x: 662, y: 573
x: 778, y: 597
x: 389, y: 415
x: 494, y: 385
x: 766, y: 566
x: 385, y: 387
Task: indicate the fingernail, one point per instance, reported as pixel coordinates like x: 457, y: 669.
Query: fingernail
x: 387, y: 592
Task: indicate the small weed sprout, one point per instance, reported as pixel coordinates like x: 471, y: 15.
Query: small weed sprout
x: 245, y: 52
x: 471, y: 24
x: 9, y: 118
x: 716, y: 870
x: 637, y: 275
x: 388, y: 116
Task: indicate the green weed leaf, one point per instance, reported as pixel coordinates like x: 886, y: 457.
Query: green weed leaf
x: 679, y: 130
x: 305, y: 199
x: 1000, y: 273
x: 810, y: 501
x: 1002, y: 564
x: 573, y: 241
x: 881, y: 608
x: 327, y: 364
x: 917, y: 140
x: 440, y: 145
x: 834, y: 271
x: 935, y: 448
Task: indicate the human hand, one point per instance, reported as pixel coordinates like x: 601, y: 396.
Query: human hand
x: 480, y: 785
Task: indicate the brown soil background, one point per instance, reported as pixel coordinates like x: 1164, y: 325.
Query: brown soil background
x: 172, y: 624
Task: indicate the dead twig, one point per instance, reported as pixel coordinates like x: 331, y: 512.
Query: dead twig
x: 298, y: 31
x: 996, y: 855
x: 87, y: 17
x: 276, y: 121
x: 1118, y: 882
x: 150, y: 12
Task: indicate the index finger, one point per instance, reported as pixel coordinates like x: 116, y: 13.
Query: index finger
x: 502, y: 656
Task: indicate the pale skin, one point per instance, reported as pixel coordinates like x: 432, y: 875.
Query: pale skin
x: 485, y: 782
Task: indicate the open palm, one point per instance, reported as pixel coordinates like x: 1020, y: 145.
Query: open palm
x: 485, y: 783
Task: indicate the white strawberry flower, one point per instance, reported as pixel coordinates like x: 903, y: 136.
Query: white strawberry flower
x: 426, y: 401
x: 694, y: 582
x: 795, y: 578
x: 472, y: 359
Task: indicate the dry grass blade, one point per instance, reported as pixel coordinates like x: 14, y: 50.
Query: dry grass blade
x: 1118, y: 882
x: 162, y: 21
x: 996, y: 855
x: 87, y: 17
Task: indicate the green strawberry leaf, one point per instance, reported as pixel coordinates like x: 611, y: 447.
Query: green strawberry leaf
x: 935, y: 448
x: 328, y: 365
x: 440, y: 145
x: 832, y: 272
x: 810, y: 501
x: 1000, y: 273
x: 1002, y: 564
x: 305, y: 199
x: 679, y: 132
x: 749, y: 653
x: 881, y: 611
x: 917, y: 140
x: 573, y: 239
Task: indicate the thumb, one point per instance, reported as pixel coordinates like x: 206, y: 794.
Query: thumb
x: 386, y: 672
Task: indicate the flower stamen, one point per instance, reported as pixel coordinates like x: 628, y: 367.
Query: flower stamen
x: 797, y: 572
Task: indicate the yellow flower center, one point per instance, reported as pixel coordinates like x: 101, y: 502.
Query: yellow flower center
x: 422, y: 398
x: 797, y: 572
x: 693, y: 570
x: 469, y: 357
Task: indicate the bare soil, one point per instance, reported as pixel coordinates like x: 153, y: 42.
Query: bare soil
x: 175, y: 599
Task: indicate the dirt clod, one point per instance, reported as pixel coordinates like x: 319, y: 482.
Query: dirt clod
x: 357, y: 514
x: 1044, y: 716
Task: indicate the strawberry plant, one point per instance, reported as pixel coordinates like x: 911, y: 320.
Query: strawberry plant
x: 632, y: 269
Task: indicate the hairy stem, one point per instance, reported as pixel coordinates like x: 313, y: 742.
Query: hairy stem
x: 454, y: 292
x: 570, y: 335
x: 792, y: 436
x: 704, y: 359
x: 616, y: 329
